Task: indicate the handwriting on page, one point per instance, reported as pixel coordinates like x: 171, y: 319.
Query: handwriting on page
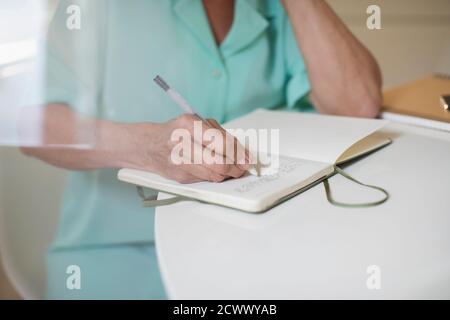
x: 287, y: 165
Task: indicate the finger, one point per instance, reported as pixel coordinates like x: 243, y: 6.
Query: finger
x: 203, y: 173
x: 230, y: 145
x: 180, y: 175
x: 232, y: 148
x: 195, y: 125
x: 193, y: 164
x: 226, y: 170
x: 215, y: 162
x: 185, y: 178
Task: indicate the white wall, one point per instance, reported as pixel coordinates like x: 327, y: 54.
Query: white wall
x: 414, y: 34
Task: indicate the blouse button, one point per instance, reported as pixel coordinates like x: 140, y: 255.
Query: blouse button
x: 216, y: 73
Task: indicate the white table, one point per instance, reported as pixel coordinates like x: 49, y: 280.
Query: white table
x: 306, y: 248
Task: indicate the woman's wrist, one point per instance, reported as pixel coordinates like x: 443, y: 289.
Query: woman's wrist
x: 122, y: 143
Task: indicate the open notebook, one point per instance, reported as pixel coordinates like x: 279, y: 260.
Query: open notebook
x: 310, y: 146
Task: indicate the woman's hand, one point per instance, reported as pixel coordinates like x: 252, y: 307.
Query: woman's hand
x: 152, y: 149
x: 144, y: 146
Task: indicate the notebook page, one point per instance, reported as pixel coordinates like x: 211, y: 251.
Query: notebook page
x: 309, y: 136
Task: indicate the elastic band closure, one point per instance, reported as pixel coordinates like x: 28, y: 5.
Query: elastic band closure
x: 353, y: 205
x: 152, y: 201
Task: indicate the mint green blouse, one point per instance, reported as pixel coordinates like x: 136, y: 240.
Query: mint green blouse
x: 106, y: 68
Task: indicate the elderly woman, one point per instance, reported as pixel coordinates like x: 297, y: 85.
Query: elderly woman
x: 227, y: 57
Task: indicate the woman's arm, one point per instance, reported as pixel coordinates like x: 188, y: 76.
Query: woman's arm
x: 345, y: 77
x: 143, y: 146
x: 73, y: 142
